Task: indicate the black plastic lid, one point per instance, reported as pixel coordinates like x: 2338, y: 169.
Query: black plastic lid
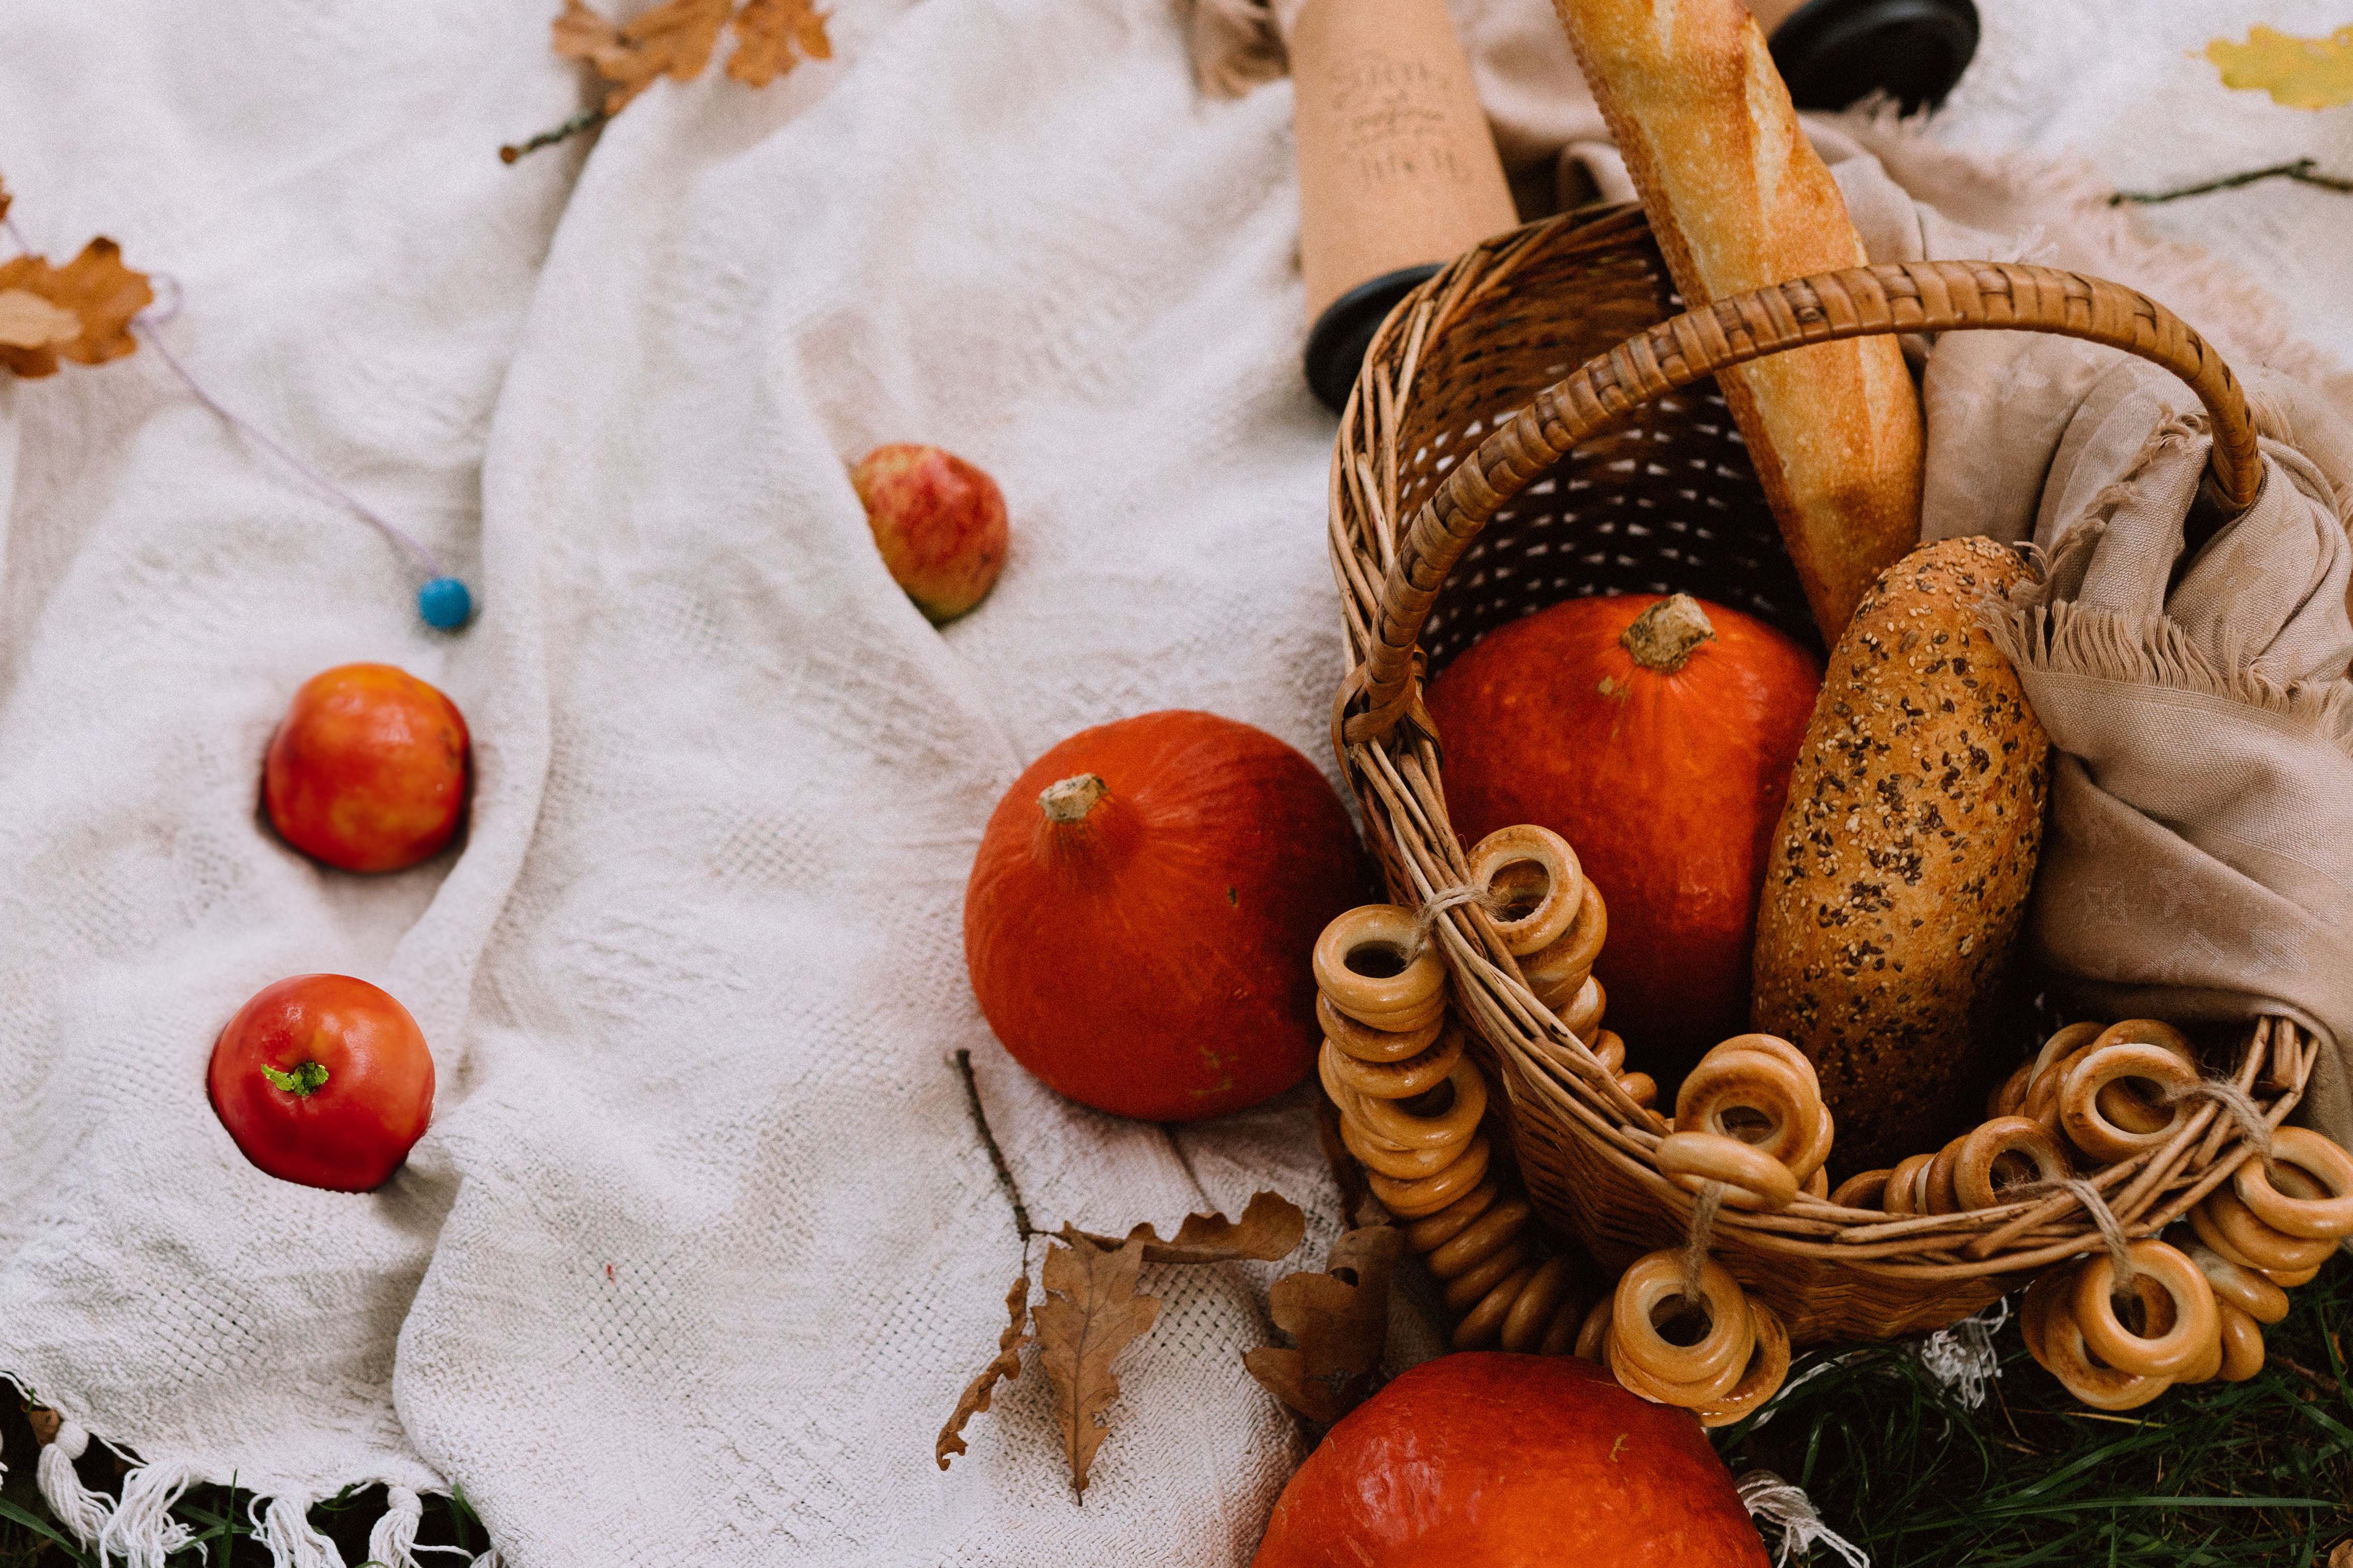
x: 1338, y: 343
x: 1833, y: 53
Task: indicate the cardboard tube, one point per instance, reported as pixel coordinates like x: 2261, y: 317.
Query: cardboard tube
x: 1397, y: 172
x: 1396, y: 163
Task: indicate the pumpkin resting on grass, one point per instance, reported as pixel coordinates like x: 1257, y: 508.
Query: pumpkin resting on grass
x: 1487, y: 1461
x: 1142, y: 908
x: 1655, y: 735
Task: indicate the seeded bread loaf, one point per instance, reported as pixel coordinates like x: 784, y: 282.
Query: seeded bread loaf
x: 1905, y: 856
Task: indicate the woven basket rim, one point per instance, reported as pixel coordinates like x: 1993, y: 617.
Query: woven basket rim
x: 1386, y: 565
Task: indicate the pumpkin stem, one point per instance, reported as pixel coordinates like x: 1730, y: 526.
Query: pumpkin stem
x: 1663, y: 636
x: 1071, y: 800
x: 302, y: 1082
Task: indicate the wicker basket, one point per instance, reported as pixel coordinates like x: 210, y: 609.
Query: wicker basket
x: 1536, y: 423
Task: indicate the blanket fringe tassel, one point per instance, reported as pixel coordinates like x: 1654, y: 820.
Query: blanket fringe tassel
x: 140, y: 1532
x: 393, y: 1543
x: 79, y: 1510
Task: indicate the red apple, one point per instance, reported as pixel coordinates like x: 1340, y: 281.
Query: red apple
x: 1487, y: 1461
x: 368, y: 771
x: 323, y: 1080
x: 939, y: 522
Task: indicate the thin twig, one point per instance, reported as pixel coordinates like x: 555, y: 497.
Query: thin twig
x: 2301, y: 171
x: 962, y: 1060
x: 587, y: 119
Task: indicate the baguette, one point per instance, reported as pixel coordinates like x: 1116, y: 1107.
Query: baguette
x: 1738, y: 200
x: 1901, y: 868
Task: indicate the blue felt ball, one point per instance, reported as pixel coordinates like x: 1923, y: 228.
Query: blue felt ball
x: 444, y: 603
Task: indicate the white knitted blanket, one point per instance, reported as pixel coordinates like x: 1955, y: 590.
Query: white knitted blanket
x: 701, y: 1245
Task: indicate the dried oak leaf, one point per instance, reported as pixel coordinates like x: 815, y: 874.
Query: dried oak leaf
x: 1091, y: 1313
x: 1340, y: 1319
x: 768, y: 32
x: 1007, y: 1366
x: 675, y: 37
x: 1269, y: 1227
x: 95, y: 289
x: 2299, y: 73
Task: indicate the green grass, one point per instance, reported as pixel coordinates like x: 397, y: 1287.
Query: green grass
x: 2235, y: 1474
x: 2258, y: 1472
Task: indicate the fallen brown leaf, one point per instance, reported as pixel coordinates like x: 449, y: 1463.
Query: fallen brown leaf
x: 1270, y: 1226
x: 45, y: 1421
x: 1340, y: 1319
x: 95, y: 287
x: 1007, y: 1366
x: 1091, y: 1313
x: 2342, y: 1557
x: 767, y: 32
x: 674, y: 39
x: 29, y: 321
x: 3, y: 198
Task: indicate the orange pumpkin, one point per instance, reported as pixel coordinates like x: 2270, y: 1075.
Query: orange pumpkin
x: 1656, y: 735
x: 1142, y: 912
x: 1486, y: 1460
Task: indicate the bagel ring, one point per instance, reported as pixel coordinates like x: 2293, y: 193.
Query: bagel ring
x: 1413, y: 1199
x: 1506, y: 850
x: 2228, y: 1226
x: 2167, y: 1353
x: 1367, y: 1044
x: 2084, y: 1119
x: 2241, y: 1340
x: 1384, y: 1001
x: 1484, y: 1236
x: 2251, y: 1292
x: 1752, y: 1179
x: 1903, y: 1194
x: 1581, y: 1014
x: 1773, y: 1046
x: 1402, y: 1079
x: 1863, y: 1190
x: 1767, y: 1369
x: 1936, y: 1191
x: 2325, y: 1217
x: 1561, y: 968
x: 1731, y: 1080
x: 1641, y: 1088
x: 1817, y: 1185
x: 1610, y: 1049
x: 2065, y: 1356
x: 2004, y: 1138
x: 1388, y: 1117
x: 1391, y: 1160
x: 1703, y: 1372
x: 1430, y: 1233
x: 2011, y: 1095
x: 1538, y: 1302
x: 2063, y: 1043
x: 1593, y: 1332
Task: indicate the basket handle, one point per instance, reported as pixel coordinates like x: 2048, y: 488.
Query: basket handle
x: 1863, y: 301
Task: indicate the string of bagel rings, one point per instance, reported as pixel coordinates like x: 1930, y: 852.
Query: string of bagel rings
x: 1751, y: 1131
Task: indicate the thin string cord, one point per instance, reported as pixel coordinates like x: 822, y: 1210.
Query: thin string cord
x: 1703, y: 1230
x: 444, y: 601
x: 2238, y: 1104
x: 156, y: 315
x: 2104, y: 1218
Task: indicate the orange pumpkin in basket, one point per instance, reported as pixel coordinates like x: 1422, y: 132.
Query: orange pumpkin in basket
x: 1143, y: 909
x: 1655, y: 735
x: 1484, y: 1460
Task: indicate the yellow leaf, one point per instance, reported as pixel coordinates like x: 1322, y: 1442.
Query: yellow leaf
x: 95, y: 289
x: 2301, y: 73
